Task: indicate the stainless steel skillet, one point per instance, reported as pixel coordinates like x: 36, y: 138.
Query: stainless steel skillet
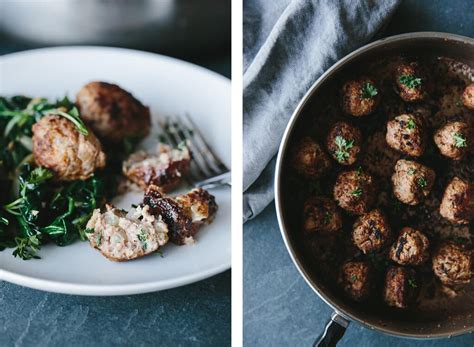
x: 444, y: 320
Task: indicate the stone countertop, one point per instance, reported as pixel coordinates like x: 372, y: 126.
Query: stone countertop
x: 196, y: 314
x: 280, y: 309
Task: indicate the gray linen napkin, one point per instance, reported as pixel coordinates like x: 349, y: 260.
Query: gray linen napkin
x: 288, y: 44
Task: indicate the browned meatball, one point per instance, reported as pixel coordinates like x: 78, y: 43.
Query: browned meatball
x: 371, y: 232
x: 468, y: 96
x: 310, y: 160
x: 320, y: 215
x: 166, y: 169
x: 60, y: 147
x: 344, y: 143
x: 457, y: 205
x: 411, y: 247
x: 454, y: 140
x: 453, y: 264
x: 356, y: 279
x: 412, y: 182
x: 184, y: 214
x: 112, y: 112
x: 406, y: 134
x: 355, y: 191
x: 360, y: 97
x: 401, y: 287
x: 409, y: 81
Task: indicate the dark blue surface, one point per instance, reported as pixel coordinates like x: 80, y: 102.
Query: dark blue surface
x: 197, y: 314
x: 280, y: 309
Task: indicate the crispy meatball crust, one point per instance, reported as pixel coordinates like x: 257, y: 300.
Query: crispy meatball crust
x: 356, y: 101
x: 184, y: 214
x: 112, y: 112
x: 166, y: 169
x: 454, y: 140
x: 310, y: 160
x: 60, y: 147
x: 344, y: 143
x: 356, y: 279
x: 468, y: 96
x: 355, y: 191
x: 410, y: 71
x: 401, y: 287
x: 453, y: 264
x: 411, y: 247
x: 412, y: 182
x: 371, y: 232
x: 406, y: 134
x: 320, y: 215
x: 457, y: 205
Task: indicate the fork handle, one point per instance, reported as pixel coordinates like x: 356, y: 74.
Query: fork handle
x: 216, y: 181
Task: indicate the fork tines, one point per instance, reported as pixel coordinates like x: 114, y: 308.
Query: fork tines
x: 181, y: 130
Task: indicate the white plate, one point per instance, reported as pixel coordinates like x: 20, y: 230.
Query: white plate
x: 168, y: 86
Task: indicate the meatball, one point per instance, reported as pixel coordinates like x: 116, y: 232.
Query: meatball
x: 412, y: 181
x: 355, y: 191
x: 371, y: 232
x: 310, y: 160
x: 401, y: 287
x: 344, y: 143
x: 406, y: 134
x: 121, y: 235
x: 452, y: 264
x: 60, y: 147
x: 184, y: 214
x: 409, y: 81
x: 320, y: 215
x: 411, y: 247
x: 454, y: 140
x: 468, y: 96
x: 112, y: 112
x: 356, y: 279
x: 360, y: 97
x: 166, y: 169
x: 457, y: 205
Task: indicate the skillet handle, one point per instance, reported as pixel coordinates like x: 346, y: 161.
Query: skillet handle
x: 335, y: 329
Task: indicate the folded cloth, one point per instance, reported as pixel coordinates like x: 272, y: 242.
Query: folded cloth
x: 288, y: 44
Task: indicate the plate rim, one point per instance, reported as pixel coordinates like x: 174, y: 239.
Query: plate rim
x: 61, y: 287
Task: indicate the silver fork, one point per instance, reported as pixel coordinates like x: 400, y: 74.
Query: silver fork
x: 206, y: 169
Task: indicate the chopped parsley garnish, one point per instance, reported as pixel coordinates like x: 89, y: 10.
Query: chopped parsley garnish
x: 369, y: 91
x: 354, y: 278
x: 411, y: 124
x: 410, y: 81
x: 359, y: 170
x: 88, y: 230
x: 357, y: 192
x: 412, y: 283
x: 342, y: 148
x: 98, y: 239
x: 411, y: 171
x: 422, y: 182
x: 142, y: 238
x: 458, y: 239
x: 460, y: 140
x: 327, y: 217
x: 459, y: 103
